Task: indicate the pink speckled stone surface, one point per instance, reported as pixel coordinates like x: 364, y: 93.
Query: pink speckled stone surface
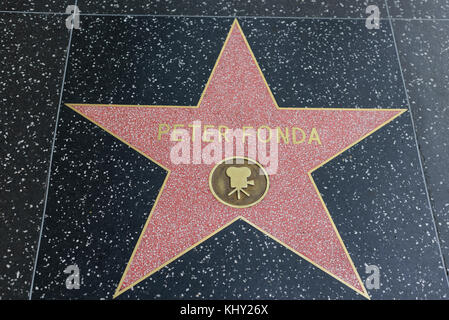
x: 187, y: 212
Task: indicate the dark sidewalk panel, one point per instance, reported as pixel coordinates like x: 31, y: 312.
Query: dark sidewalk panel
x: 327, y: 63
x: 36, y: 6
x: 143, y: 60
x: 281, y: 8
x: 102, y: 191
x: 100, y: 196
x: 376, y: 195
x: 240, y: 262
x: 424, y: 54
x: 32, y: 59
x: 419, y: 9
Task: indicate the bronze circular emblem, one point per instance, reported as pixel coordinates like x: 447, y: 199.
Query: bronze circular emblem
x: 239, y: 182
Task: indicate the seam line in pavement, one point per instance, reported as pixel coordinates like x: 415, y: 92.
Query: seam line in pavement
x: 51, y: 161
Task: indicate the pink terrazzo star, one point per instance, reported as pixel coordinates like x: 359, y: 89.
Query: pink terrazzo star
x: 292, y: 212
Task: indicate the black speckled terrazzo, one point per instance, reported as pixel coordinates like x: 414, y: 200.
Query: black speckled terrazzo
x: 33, y: 52
x: 100, y: 206
x: 378, y: 202
x: 426, y: 64
x: 38, y: 6
x: 240, y: 262
x: 174, y: 55
x: 316, y: 57
x: 180, y: 74
x: 416, y: 9
x: 101, y: 191
x: 90, y: 192
x: 279, y: 8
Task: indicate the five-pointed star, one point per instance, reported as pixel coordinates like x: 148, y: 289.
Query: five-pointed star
x: 292, y: 212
